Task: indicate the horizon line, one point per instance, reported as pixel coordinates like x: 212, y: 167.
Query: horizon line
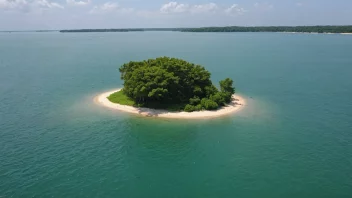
x: 53, y: 30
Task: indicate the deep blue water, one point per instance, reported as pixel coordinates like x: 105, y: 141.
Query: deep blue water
x: 292, y: 139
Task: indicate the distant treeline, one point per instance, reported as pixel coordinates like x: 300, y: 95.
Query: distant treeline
x: 19, y: 31
x: 163, y: 29
x: 103, y: 30
x: 123, y: 30
x: 303, y: 29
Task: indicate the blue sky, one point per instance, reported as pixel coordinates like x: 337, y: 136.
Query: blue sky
x: 74, y: 14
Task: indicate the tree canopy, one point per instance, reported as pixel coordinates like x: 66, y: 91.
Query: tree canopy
x: 305, y: 29
x: 166, y: 81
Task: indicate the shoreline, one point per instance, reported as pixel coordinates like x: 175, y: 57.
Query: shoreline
x: 237, y: 104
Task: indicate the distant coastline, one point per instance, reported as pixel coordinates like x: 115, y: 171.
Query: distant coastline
x: 284, y: 29
x: 326, y: 29
x: 120, y: 30
x: 236, y: 105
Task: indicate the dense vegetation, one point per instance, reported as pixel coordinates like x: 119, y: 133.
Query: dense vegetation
x: 170, y: 83
x: 306, y: 29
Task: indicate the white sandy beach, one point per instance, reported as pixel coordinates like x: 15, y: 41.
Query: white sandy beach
x: 236, y: 105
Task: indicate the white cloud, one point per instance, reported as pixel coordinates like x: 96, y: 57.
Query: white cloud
x: 77, y: 3
x: 235, y: 10
x: 26, y: 6
x: 46, y: 4
x: 106, y: 7
x: 264, y: 6
x: 110, y: 7
x: 209, y: 7
x: 174, y: 7
x: 13, y: 4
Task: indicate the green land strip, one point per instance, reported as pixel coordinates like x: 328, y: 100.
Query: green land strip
x: 121, y: 98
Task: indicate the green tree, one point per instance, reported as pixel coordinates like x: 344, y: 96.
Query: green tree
x: 227, y: 86
x: 219, y: 98
x: 227, y: 89
x: 168, y: 81
x: 189, y: 108
x: 209, y: 104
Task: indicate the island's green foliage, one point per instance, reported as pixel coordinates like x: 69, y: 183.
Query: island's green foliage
x: 120, y: 98
x: 171, y: 83
x: 226, y: 89
x: 305, y: 29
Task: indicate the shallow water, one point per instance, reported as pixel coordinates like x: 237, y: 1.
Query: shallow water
x: 293, y: 139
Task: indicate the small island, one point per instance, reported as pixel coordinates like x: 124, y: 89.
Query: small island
x: 171, y: 88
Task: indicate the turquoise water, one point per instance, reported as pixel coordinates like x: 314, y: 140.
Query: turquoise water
x: 293, y: 138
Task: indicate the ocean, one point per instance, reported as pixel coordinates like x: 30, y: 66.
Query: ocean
x: 292, y: 139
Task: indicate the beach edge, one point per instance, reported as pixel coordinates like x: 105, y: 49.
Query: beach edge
x: 237, y: 103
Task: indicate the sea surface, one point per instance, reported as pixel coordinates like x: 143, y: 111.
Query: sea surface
x: 292, y: 139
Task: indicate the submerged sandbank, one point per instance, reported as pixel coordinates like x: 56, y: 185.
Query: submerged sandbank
x: 237, y: 103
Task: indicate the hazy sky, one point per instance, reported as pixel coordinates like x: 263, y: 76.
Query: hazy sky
x: 73, y: 14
